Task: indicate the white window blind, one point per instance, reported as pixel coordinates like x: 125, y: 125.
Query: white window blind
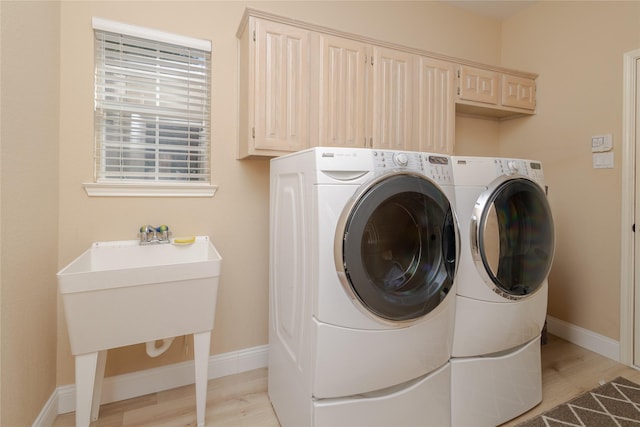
x: 152, y: 107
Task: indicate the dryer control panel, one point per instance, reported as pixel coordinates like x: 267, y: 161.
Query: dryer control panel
x: 529, y: 168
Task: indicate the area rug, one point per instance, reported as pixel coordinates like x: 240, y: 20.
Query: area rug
x: 615, y: 404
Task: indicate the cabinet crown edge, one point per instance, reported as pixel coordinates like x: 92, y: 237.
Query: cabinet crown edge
x: 251, y: 12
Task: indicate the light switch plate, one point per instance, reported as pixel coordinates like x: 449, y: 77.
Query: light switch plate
x: 601, y: 143
x: 603, y: 160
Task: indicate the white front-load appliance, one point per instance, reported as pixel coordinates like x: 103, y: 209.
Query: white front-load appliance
x: 363, y: 255
x: 507, y: 244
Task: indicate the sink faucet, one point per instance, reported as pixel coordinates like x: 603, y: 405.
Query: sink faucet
x: 150, y: 234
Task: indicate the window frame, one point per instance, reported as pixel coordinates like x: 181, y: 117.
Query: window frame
x: 150, y: 188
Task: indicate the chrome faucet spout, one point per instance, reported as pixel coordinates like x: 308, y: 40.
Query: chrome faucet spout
x: 150, y: 234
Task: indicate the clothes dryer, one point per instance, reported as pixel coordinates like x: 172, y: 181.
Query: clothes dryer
x: 507, y: 245
x: 363, y: 255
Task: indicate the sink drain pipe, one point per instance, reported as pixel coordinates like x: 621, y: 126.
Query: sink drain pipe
x: 154, y: 351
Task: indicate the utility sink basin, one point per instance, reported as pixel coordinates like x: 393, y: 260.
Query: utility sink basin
x: 121, y: 293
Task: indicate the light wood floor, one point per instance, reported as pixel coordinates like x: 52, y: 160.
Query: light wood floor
x: 241, y: 400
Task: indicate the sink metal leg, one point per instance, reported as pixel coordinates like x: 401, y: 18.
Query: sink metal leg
x: 97, y: 385
x: 89, y: 376
x: 201, y: 346
x: 85, y: 381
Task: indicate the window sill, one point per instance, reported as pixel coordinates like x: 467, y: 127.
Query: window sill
x: 102, y: 189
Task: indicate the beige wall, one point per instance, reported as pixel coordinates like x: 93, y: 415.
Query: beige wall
x: 579, y: 95
x: 29, y: 207
x: 237, y: 217
x: 577, y: 48
x: 476, y: 137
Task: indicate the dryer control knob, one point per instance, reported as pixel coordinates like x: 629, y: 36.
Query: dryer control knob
x: 513, y: 166
x: 401, y: 159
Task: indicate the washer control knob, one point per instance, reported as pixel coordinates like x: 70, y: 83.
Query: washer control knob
x: 513, y: 166
x: 401, y: 159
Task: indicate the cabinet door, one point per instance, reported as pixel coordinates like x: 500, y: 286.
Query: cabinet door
x: 281, y: 87
x: 434, y: 107
x: 392, y: 99
x: 518, y: 92
x: 342, y: 92
x: 479, y: 85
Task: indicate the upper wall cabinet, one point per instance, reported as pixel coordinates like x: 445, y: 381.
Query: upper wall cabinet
x: 343, y: 92
x: 493, y: 93
x: 364, y: 95
x: 478, y: 85
x: 274, y: 89
x: 518, y: 92
x: 434, y: 107
x: 302, y: 85
x: 392, y: 99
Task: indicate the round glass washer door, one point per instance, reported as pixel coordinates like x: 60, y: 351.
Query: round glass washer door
x: 512, y: 236
x: 396, y: 247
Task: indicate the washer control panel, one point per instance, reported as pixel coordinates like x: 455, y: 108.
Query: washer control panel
x: 438, y: 167
x: 397, y: 160
x: 435, y: 166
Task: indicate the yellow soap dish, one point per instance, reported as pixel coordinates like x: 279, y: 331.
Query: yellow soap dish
x: 184, y: 240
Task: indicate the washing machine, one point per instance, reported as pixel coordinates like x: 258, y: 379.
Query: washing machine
x: 363, y: 257
x: 507, y: 246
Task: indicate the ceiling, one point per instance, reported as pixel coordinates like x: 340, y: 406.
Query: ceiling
x: 493, y: 9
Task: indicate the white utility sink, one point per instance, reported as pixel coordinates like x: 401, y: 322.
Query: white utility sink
x: 120, y: 293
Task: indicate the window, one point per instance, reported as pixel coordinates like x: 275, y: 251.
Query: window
x: 151, y: 112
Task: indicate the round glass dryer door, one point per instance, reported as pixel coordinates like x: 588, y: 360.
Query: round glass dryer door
x: 513, y: 236
x: 396, y: 247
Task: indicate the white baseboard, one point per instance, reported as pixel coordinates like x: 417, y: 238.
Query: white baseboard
x: 590, y: 340
x: 139, y: 383
x: 49, y: 412
x: 171, y: 376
